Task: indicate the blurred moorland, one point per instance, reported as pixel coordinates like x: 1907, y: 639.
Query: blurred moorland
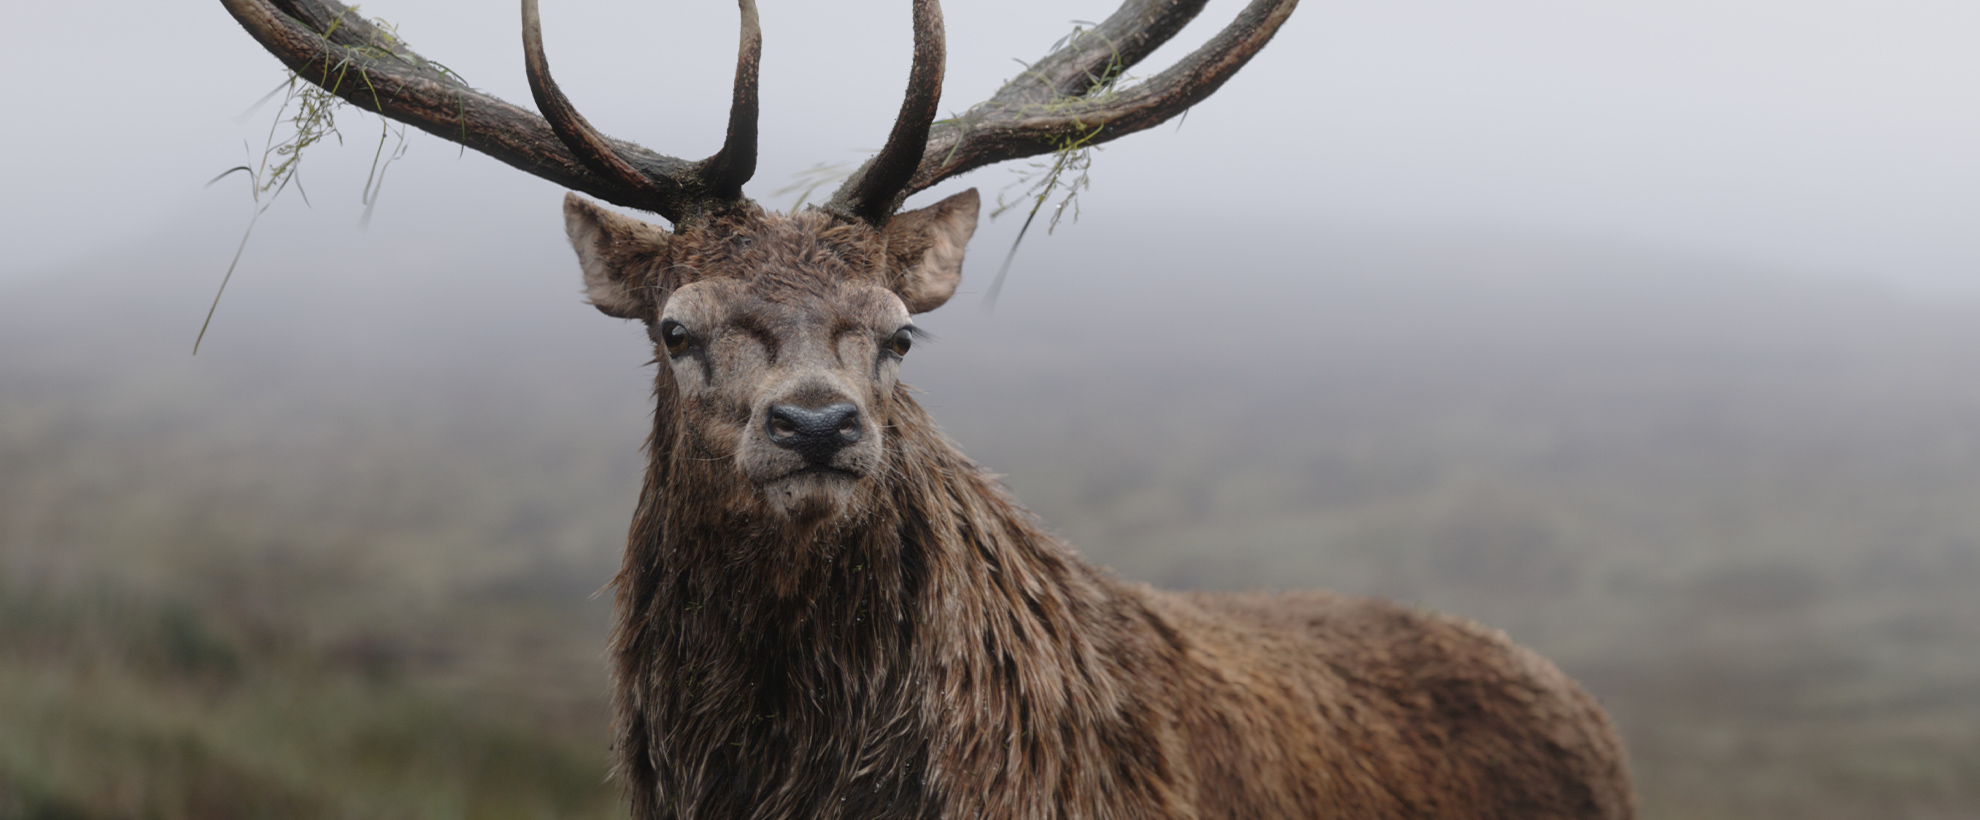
x: 346, y: 562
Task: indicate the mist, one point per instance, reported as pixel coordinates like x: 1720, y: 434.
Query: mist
x: 1824, y: 138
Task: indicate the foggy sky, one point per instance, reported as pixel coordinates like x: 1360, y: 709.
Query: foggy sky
x: 1828, y: 138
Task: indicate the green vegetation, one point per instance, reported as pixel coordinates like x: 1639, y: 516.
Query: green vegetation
x: 111, y: 706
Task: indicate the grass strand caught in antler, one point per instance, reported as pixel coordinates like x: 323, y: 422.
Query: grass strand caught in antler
x: 1066, y: 175
x: 309, y: 109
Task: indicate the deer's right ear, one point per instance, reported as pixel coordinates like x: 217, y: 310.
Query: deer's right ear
x: 620, y: 257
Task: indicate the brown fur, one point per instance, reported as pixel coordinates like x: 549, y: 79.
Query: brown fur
x: 918, y: 647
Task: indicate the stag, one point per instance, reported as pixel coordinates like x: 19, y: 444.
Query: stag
x: 827, y: 610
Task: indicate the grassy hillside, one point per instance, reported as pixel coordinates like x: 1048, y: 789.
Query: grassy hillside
x: 344, y: 562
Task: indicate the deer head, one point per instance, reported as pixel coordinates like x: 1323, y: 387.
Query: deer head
x: 779, y: 336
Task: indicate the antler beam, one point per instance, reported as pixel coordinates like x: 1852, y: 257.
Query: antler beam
x: 1069, y: 97
x: 328, y: 44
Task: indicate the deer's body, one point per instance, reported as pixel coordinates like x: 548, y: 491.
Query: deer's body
x: 945, y: 658
x: 826, y: 611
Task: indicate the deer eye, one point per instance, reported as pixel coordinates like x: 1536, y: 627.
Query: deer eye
x: 674, y: 335
x: 902, y: 340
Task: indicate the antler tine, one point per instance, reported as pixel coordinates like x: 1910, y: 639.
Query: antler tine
x: 724, y: 173
x: 1053, y: 104
x: 577, y: 133
x: 717, y: 179
x: 873, y: 192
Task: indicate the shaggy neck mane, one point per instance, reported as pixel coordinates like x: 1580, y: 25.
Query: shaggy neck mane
x: 921, y: 652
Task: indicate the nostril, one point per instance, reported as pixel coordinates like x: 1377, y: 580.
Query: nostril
x: 781, y: 426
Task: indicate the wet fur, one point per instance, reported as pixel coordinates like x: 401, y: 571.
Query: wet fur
x: 931, y: 652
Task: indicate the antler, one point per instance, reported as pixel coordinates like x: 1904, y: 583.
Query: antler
x: 1069, y: 96
x: 1064, y: 99
x: 326, y: 43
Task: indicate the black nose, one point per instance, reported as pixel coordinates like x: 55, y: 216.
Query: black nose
x: 815, y: 433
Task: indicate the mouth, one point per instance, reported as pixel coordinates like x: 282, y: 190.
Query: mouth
x: 813, y: 492
x: 817, y: 471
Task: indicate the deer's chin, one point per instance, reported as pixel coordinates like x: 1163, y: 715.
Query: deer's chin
x: 813, y: 495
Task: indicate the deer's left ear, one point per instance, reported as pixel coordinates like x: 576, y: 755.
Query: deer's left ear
x: 925, y: 250
x: 620, y: 255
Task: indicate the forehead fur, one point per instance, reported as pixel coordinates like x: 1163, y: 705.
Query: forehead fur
x: 782, y: 257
